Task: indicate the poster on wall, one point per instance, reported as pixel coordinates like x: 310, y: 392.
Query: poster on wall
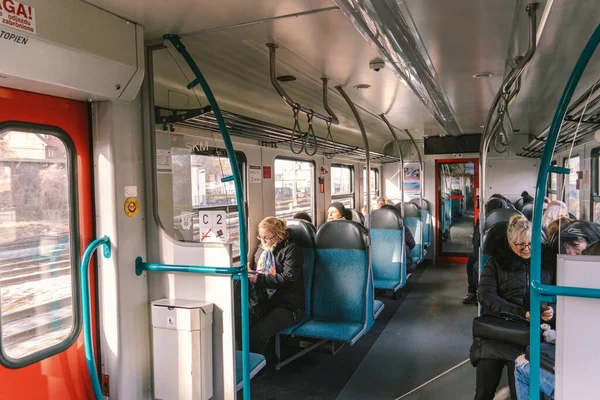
x: 412, y: 180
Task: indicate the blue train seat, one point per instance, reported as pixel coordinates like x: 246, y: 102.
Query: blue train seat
x: 303, y: 234
x: 257, y: 362
x: 527, y: 211
x: 387, y: 249
x: 413, y: 221
x: 426, y: 219
x: 496, y: 217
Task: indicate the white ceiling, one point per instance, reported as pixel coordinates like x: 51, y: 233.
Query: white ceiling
x: 462, y: 38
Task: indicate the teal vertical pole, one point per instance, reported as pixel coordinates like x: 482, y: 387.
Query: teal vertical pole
x: 176, y: 41
x: 85, y: 309
x: 542, y: 180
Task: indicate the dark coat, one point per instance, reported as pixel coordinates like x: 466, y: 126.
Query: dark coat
x: 289, y: 279
x: 503, y: 288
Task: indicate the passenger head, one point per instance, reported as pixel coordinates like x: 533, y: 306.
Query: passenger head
x: 546, y: 202
x: 381, y: 202
x: 555, y: 226
x: 335, y: 211
x: 555, y: 210
x: 518, y: 234
x: 271, y: 231
x: 576, y: 236
x: 527, y: 198
x: 303, y: 216
x: 498, y: 196
x: 593, y: 249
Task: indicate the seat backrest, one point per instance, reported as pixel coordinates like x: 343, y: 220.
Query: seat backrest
x: 527, y: 211
x: 303, y: 234
x: 424, y: 205
x: 341, y: 273
x: 498, y: 215
x: 387, y: 244
x: 356, y: 216
x: 426, y: 217
x: 493, y: 237
x: 519, y: 204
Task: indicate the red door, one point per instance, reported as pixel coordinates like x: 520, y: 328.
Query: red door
x: 45, y: 224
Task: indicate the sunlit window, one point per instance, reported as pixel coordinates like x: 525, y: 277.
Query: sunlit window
x: 204, y: 207
x: 374, y: 185
x: 36, y: 268
x: 596, y: 185
x: 294, y: 187
x: 342, y: 184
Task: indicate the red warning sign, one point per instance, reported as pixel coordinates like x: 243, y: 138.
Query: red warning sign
x: 266, y: 172
x: 16, y: 15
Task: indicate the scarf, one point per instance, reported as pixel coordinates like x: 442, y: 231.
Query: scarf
x: 266, y: 265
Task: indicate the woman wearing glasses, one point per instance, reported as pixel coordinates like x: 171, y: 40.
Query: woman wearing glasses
x: 278, y: 265
x: 503, y: 289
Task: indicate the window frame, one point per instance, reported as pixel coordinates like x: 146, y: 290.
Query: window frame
x: 595, y: 182
x: 352, y: 188
x: 566, y: 162
x: 74, y: 233
x: 377, y: 192
x: 242, y: 162
x: 314, y: 178
x: 549, y: 190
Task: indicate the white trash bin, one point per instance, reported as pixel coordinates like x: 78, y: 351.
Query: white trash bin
x: 182, y: 344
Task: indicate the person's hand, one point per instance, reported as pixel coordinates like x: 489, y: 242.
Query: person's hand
x: 548, y: 314
x: 252, y: 278
x: 527, y: 316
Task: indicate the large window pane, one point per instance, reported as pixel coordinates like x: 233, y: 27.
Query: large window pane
x: 35, y: 250
x: 342, y: 188
x: 198, y: 192
x: 374, y: 187
x: 572, y: 186
x: 294, y: 187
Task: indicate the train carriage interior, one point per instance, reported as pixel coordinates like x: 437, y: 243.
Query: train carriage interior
x: 299, y: 199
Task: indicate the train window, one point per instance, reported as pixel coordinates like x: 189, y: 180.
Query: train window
x: 596, y: 185
x: 552, y: 190
x: 571, y: 189
x: 342, y: 184
x: 38, y: 225
x: 199, y: 196
x: 374, y: 185
x: 294, y: 187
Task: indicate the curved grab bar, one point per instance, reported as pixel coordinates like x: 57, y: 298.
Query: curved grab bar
x: 391, y: 128
x: 287, y: 99
x: 368, y: 156
x: 539, y: 289
x: 85, y: 309
x: 489, y: 127
x: 176, y: 41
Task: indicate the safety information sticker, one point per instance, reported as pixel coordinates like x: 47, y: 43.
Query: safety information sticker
x: 17, y: 16
x: 213, y: 226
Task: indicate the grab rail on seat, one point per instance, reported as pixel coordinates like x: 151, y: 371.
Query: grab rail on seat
x: 538, y: 289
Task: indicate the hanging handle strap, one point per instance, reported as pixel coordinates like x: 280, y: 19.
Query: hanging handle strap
x: 297, y: 135
x: 329, y: 140
x: 310, y: 140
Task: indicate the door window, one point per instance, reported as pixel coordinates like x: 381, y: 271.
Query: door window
x: 294, y: 187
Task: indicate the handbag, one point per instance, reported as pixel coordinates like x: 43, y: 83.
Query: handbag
x: 507, y: 328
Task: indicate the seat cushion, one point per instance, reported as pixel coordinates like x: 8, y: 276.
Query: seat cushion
x: 257, y: 362
x: 330, y: 330
x: 290, y: 329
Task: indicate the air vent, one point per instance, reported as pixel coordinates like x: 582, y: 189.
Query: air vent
x: 286, y: 78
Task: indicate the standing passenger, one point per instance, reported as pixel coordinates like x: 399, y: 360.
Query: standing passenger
x: 279, y: 271
x: 502, y: 289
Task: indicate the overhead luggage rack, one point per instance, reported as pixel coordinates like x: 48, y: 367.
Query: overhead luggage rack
x: 268, y: 134
x: 590, y: 123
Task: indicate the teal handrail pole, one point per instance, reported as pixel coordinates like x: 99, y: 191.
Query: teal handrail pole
x: 542, y: 180
x: 141, y: 266
x: 176, y: 41
x: 85, y: 309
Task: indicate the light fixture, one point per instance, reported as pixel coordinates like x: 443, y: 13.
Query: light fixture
x: 362, y: 86
x: 483, y: 75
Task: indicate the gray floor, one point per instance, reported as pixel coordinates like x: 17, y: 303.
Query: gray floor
x: 461, y: 235
x: 430, y: 333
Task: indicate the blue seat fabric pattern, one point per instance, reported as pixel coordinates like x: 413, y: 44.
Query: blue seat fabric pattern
x: 386, y: 250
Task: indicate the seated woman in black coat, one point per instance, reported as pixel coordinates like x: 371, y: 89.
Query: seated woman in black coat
x: 503, y: 288
x: 279, y: 271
